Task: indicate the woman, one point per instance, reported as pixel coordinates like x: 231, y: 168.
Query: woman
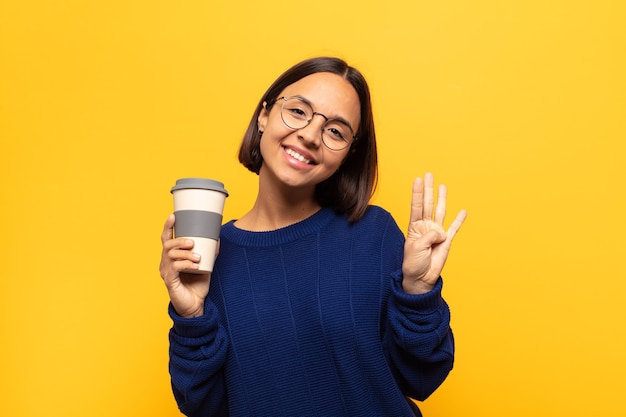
x: 317, y: 304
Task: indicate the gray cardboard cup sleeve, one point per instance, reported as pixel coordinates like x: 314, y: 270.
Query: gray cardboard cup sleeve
x: 198, y: 223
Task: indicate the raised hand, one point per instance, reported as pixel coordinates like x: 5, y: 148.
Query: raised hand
x: 427, y: 243
x: 187, y: 291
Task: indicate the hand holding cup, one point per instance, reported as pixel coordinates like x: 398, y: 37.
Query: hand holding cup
x: 190, y: 242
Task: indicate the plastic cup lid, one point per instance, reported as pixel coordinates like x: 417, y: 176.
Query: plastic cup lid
x: 200, y: 184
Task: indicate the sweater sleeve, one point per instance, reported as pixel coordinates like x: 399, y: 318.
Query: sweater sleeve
x: 416, y: 333
x: 198, y: 348
x: 420, y: 344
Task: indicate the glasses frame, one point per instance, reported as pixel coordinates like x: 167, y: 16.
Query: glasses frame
x: 308, y: 122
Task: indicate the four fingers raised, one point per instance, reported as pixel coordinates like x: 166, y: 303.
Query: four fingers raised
x: 423, y: 203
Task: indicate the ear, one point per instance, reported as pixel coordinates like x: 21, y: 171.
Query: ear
x: 262, y: 119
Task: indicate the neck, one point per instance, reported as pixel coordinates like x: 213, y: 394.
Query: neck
x: 277, y: 207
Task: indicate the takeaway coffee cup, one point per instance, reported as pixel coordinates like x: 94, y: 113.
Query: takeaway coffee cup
x: 198, y: 207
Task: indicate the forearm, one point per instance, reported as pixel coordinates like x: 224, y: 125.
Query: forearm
x: 420, y: 342
x: 198, y: 348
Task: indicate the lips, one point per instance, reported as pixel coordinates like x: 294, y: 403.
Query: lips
x: 299, y: 157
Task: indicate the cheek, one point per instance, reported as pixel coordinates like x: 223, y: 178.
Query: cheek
x: 263, y: 145
x: 270, y: 142
x: 335, y: 159
x: 275, y: 131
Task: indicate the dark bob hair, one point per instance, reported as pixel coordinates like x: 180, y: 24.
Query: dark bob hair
x: 350, y: 189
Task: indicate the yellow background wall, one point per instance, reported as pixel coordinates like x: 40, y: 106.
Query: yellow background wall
x: 518, y: 106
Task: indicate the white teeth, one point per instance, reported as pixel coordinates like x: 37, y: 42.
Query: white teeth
x: 297, y: 156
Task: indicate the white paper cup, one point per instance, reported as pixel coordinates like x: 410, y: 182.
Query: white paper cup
x: 198, y: 207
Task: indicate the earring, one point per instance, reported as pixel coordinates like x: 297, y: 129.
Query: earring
x: 260, y: 132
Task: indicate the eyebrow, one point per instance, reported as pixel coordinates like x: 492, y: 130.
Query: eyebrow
x: 338, y: 119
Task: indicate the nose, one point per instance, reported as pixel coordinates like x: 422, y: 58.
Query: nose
x: 312, y: 133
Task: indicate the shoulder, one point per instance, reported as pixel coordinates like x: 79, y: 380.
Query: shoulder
x: 375, y: 215
x: 378, y: 221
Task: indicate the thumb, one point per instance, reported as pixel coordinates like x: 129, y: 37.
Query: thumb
x: 433, y: 237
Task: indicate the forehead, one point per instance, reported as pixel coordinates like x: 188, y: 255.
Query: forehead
x: 329, y: 94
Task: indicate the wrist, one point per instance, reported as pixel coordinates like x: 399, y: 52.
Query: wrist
x: 416, y: 286
x: 188, y: 313
x: 198, y: 313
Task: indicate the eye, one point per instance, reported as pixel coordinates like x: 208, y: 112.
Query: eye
x: 297, y: 109
x: 297, y: 112
x: 337, y: 131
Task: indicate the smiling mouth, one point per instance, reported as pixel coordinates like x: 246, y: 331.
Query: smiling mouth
x: 296, y: 155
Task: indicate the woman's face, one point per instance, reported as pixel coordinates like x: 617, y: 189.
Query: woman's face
x: 298, y: 157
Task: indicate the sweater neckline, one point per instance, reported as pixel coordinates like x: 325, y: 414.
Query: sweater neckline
x: 311, y: 224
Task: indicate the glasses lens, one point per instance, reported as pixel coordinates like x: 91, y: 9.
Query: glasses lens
x: 296, y: 113
x: 336, y: 135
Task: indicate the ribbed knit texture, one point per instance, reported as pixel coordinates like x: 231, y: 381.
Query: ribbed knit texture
x: 311, y: 320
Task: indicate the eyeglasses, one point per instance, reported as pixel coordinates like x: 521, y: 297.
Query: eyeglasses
x: 297, y: 113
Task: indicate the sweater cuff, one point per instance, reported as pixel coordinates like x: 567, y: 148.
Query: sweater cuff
x: 426, y: 303
x: 203, y: 327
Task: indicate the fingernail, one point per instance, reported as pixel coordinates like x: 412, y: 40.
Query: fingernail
x: 196, y: 256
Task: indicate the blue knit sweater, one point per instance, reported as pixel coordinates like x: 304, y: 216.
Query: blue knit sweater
x: 311, y: 320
